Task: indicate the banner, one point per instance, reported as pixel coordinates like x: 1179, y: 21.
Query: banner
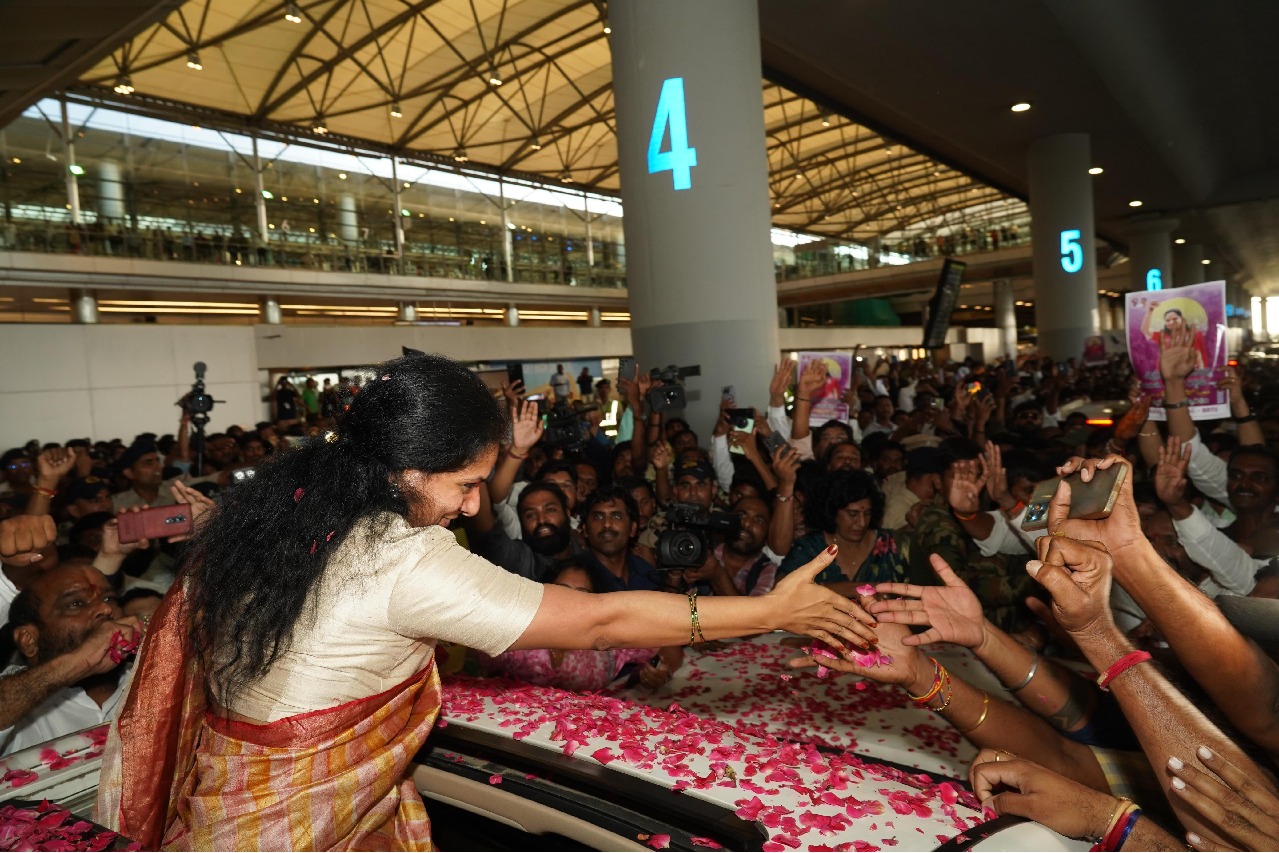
x: 1201, y: 308
x: 829, y: 403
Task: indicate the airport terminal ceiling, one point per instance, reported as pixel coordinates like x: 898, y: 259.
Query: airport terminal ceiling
x: 519, y: 86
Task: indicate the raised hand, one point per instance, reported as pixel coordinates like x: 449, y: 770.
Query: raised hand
x: 111, y: 544
x: 951, y: 610
x: 1077, y: 573
x: 526, y: 427
x: 782, y: 374
x: 1170, y: 475
x: 996, y: 477
x: 786, y: 467
x: 513, y: 392
x: 1177, y: 355
x: 964, y: 493
x: 1130, y: 424
x: 803, y: 607
x: 199, y: 503
x: 54, y: 464
x: 24, y: 538
x: 812, y: 379
x: 660, y: 455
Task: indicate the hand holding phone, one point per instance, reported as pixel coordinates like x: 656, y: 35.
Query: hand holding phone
x: 157, y: 522
x: 1090, y: 500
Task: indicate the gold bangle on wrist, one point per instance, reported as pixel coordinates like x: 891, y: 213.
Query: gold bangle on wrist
x: 985, y: 709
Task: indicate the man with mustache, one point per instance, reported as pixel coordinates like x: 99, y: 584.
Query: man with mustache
x: 65, y: 624
x: 740, y: 565
x: 546, y: 535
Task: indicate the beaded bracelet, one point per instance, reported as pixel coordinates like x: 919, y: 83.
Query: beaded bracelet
x: 937, y: 679
x: 949, y: 690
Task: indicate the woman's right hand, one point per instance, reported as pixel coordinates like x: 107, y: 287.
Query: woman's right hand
x: 1035, y: 792
x: 801, y: 606
x: 952, y: 611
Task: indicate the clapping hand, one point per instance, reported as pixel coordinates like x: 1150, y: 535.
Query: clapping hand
x: 951, y: 610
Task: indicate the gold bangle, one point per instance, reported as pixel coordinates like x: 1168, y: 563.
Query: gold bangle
x: 695, y: 634
x: 985, y: 709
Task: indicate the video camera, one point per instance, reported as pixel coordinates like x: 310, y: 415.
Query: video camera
x: 565, y: 426
x: 198, y: 402
x: 688, y: 540
x: 669, y: 394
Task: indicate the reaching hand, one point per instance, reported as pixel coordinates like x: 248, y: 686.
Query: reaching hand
x: 199, y: 503
x: 964, y: 494
x: 1241, y: 807
x: 1031, y: 791
x: 899, y: 663
x: 1130, y: 424
x: 112, y: 546
x: 996, y: 479
x: 803, y: 607
x: 952, y: 610
x: 54, y: 464
x: 781, y: 380
x: 526, y: 428
x: 812, y: 379
x: 660, y: 455
x: 983, y: 408
x: 786, y: 466
x: 1077, y: 574
x: 513, y: 392
x: 1170, y: 476
x: 1177, y: 355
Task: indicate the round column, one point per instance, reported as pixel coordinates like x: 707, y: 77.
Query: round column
x: 694, y: 175
x: 1005, y: 318
x: 1150, y: 253
x: 110, y: 191
x: 348, y: 219
x: 512, y: 316
x: 1063, y: 239
x: 271, y: 314
x: 593, y: 317
x: 408, y: 312
x: 84, y: 307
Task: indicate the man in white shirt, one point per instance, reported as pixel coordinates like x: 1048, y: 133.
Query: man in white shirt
x: 561, y: 385
x: 67, y: 625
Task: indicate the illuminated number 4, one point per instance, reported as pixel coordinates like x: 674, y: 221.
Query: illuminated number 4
x: 670, y: 114
x: 1072, y: 253
x: 1154, y: 279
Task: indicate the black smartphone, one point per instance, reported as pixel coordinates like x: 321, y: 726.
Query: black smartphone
x: 626, y: 369
x: 514, y: 373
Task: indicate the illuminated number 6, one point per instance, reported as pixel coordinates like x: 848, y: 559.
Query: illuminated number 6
x: 1072, y: 254
x: 1154, y: 279
x: 670, y: 114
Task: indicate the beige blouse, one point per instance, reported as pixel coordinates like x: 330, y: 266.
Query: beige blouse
x: 387, y: 595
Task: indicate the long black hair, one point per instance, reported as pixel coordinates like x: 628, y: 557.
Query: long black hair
x: 258, y: 556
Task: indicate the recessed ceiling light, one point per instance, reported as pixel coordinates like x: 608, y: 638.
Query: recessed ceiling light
x: 1096, y: 170
x: 1021, y: 107
x: 1205, y: 262
x: 1134, y: 203
x: 1180, y: 241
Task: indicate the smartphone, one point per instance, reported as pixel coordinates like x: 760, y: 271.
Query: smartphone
x: 627, y: 370
x: 1092, y: 500
x: 937, y: 403
x: 974, y: 387
x: 774, y: 441
x: 514, y: 373
x: 158, y: 522
x: 742, y: 420
x: 727, y: 394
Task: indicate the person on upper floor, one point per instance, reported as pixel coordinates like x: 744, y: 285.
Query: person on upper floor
x: 561, y: 385
x: 584, y: 382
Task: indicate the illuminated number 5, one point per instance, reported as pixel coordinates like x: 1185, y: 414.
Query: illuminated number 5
x: 1154, y: 280
x: 1072, y: 254
x: 670, y: 114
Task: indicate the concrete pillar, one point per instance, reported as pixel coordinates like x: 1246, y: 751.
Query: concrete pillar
x: 271, y: 314
x: 110, y: 191
x: 259, y: 200
x: 398, y: 217
x: 84, y: 307
x: 590, y: 239
x: 1150, y: 253
x: 73, y: 183
x: 408, y: 312
x: 1005, y: 318
x: 699, y: 260
x: 1187, y: 264
x: 512, y: 315
x: 1063, y: 238
x: 508, y: 248
x: 348, y: 219
x: 593, y: 317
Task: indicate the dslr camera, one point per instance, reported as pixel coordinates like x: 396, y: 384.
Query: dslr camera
x: 667, y: 392
x: 565, y: 427
x: 688, y: 540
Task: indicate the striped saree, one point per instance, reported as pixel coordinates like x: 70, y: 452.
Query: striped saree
x: 176, y: 776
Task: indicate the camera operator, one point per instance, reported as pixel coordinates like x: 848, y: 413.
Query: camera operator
x: 740, y: 565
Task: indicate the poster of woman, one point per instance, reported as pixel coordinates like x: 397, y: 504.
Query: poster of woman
x: 839, y: 376
x: 1200, y: 310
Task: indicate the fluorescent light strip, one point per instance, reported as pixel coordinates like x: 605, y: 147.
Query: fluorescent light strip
x: 110, y: 309
x: 146, y: 303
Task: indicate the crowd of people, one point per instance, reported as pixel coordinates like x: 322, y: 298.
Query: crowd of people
x: 921, y: 494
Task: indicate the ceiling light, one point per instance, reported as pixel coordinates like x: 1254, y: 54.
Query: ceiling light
x: 1205, y: 262
x: 15, y: 160
x: 404, y: 211
x: 826, y: 120
x: 75, y: 169
x: 494, y: 80
x: 460, y: 155
x: 396, y: 112
x: 1021, y: 107
x: 268, y: 194
x: 566, y: 178
x: 320, y: 127
x: 341, y: 176
x: 536, y: 145
x: 124, y: 86
x: 607, y: 29
x: 1096, y: 170
x: 1134, y: 203
x: 193, y: 61
x: 292, y: 13
x: 1180, y: 241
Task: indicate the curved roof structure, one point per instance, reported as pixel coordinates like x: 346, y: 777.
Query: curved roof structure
x: 518, y: 86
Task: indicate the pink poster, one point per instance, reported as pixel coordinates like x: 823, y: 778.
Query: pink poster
x: 1199, y: 308
x: 829, y: 403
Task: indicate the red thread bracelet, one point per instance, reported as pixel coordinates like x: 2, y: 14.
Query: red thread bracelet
x: 1129, y: 660
x: 962, y: 517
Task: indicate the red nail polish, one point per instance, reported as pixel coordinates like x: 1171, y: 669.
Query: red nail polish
x: 832, y: 549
